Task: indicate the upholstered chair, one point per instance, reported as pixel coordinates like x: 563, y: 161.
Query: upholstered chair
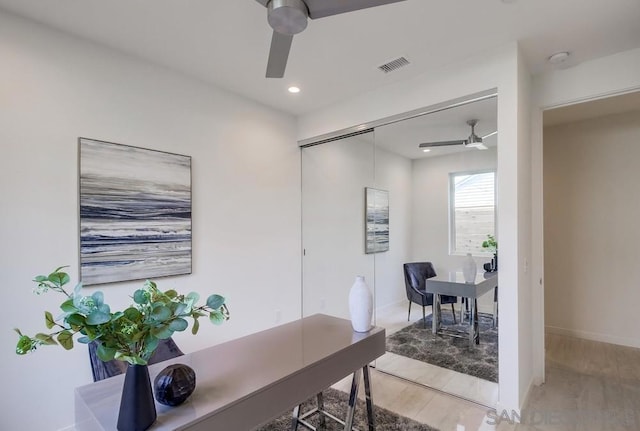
x: 415, y: 277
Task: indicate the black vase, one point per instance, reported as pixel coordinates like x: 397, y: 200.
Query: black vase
x: 137, y: 408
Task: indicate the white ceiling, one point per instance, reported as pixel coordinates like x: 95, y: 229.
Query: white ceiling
x: 404, y: 136
x: 335, y: 58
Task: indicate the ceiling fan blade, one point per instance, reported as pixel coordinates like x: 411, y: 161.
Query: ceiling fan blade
x: 441, y: 144
x: 278, y: 54
x: 322, y: 8
x: 490, y: 134
x: 480, y: 146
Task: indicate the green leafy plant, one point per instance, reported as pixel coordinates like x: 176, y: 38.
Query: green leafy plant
x: 490, y: 244
x: 131, y: 335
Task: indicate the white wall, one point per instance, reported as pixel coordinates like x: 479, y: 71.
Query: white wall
x: 334, y: 176
x: 594, y: 79
x: 500, y: 69
x: 430, y: 211
x: 393, y: 173
x: 525, y: 230
x: 591, y: 236
x: 597, y: 78
x: 431, y: 205
x: 246, y: 198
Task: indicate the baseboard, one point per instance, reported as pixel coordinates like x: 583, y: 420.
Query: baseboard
x: 503, y: 413
x: 383, y: 309
x: 593, y: 336
x: 527, y: 394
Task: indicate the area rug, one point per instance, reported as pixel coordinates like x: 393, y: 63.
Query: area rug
x: 335, y: 402
x: 450, y: 352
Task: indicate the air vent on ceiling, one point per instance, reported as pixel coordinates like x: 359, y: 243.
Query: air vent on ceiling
x: 394, y: 65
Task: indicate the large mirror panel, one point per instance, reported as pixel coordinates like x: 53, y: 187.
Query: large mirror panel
x: 334, y: 178
x: 441, y: 206
x: 447, y: 204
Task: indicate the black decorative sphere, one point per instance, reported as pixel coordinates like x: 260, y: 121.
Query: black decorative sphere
x: 173, y: 385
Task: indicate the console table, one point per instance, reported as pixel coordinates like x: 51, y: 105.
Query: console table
x: 453, y: 284
x: 247, y: 382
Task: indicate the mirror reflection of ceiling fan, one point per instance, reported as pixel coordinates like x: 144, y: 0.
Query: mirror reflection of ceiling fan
x: 289, y: 17
x: 473, y: 141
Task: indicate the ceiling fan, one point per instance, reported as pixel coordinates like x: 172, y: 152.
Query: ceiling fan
x: 473, y: 141
x: 289, y: 17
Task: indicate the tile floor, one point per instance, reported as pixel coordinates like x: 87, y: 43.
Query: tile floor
x: 462, y: 385
x: 424, y: 405
x: 589, y: 386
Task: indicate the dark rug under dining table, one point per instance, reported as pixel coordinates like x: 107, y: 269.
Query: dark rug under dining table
x: 453, y: 353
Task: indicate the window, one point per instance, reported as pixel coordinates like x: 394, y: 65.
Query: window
x: 472, y: 210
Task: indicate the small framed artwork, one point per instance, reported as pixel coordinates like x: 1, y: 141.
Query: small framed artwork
x: 135, y: 213
x: 376, y: 220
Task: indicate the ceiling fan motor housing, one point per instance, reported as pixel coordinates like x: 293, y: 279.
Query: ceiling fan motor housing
x: 473, y: 139
x: 287, y: 16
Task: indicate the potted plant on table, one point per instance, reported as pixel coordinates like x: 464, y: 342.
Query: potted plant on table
x: 491, y: 245
x: 131, y: 335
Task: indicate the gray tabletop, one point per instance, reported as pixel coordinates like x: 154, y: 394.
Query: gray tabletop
x: 453, y: 283
x: 246, y: 382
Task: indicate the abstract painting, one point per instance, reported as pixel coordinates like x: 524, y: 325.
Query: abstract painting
x: 135, y: 213
x: 377, y: 220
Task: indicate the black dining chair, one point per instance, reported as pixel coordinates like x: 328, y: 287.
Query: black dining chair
x: 167, y: 349
x: 415, y: 278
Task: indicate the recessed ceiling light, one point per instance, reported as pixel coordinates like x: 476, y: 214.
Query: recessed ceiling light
x: 558, y: 57
x: 426, y: 150
x: 294, y: 89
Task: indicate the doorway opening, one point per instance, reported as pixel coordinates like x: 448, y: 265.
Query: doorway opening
x: 590, y: 154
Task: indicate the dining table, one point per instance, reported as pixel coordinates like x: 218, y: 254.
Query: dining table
x: 453, y: 283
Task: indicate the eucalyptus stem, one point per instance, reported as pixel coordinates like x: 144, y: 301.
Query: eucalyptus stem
x: 130, y: 335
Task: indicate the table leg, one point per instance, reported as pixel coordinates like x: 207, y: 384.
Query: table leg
x: 435, y: 315
x: 353, y: 398
x: 466, y: 306
x: 322, y: 422
x: 474, y: 335
x: 294, y: 419
x: 472, y: 323
x: 369, y: 398
x: 298, y: 419
x: 495, y: 307
x: 475, y: 311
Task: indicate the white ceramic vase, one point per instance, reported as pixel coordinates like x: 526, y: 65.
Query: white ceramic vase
x: 469, y: 268
x: 360, y: 305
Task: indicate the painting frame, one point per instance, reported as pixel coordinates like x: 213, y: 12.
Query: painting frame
x: 134, y: 213
x: 376, y: 220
